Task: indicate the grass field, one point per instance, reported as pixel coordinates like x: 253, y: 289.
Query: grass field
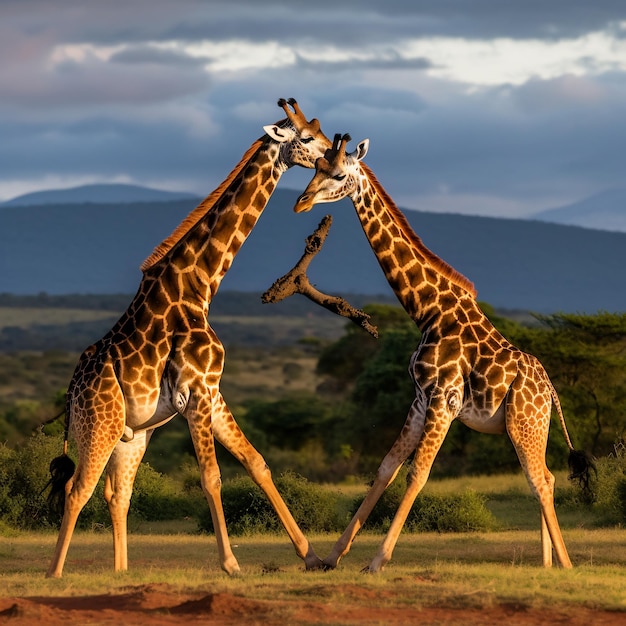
x: 450, y: 578
x: 27, y: 317
x: 474, y: 568
x: 454, y: 570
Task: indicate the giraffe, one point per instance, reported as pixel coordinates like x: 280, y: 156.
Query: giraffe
x: 162, y: 358
x: 462, y: 369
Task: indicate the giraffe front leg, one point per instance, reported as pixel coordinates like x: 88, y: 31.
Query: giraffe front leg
x: 204, y: 444
x: 435, y: 430
x: 121, y: 471
x: 387, y: 471
x: 232, y: 438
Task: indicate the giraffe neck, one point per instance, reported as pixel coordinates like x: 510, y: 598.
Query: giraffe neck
x: 200, y: 252
x: 423, y: 283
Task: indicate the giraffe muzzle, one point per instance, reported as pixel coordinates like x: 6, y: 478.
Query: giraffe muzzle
x: 304, y: 203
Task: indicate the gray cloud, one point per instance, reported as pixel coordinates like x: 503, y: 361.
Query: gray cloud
x: 148, y: 113
x: 325, y: 20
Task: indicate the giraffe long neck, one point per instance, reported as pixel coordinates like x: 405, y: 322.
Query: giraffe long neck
x: 419, y: 278
x: 202, y: 248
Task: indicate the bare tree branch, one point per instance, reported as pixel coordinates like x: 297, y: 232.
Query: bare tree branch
x: 296, y: 281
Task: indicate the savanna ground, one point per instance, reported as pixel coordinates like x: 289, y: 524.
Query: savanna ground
x: 174, y: 578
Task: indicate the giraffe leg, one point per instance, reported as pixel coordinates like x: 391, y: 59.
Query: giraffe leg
x: 97, y: 427
x: 542, y: 486
x: 528, y: 423
x: 435, y: 431
x: 232, y: 438
x: 204, y: 444
x: 77, y: 493
x: 546, y: 543
x: 387, y: 471
x: 120, y: 477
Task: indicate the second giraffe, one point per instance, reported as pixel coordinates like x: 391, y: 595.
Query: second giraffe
x: 463, y: 368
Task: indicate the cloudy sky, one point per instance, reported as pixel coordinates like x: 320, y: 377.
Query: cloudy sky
x: 491, y: 107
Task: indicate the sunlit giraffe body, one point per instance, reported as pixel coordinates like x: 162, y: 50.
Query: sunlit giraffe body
x: 463, y: 368
x: 162, y: 357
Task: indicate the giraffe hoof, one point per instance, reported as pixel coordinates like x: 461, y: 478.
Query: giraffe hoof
x: 235, y: 573
x: 231, y: 568
x: 372, y: 569
x: 313, y: 563
x: 328, y: 565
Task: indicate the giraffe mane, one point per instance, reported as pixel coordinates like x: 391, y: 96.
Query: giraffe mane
x: 437, y: 262
x: 200, y: 211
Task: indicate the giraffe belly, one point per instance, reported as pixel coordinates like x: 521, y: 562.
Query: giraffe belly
x: 484, y: 420
x: 148, y: 415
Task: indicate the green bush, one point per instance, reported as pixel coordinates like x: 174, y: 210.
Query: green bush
x: 609, y: 486
x: 24, y: 473
x: 465, y: 512
x: 158, y: 497
x: 248, y: 511
x: 10, y: 507
x: 155, y: 497
x: 606, y: 497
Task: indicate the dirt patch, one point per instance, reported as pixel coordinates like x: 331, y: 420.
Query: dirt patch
x: 162, y: 605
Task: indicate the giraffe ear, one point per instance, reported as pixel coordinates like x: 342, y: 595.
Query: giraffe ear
x: 361, y: 150
x: 277, y: 133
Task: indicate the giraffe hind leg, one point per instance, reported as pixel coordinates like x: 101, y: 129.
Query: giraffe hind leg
x: 77, y: 493
x: 121, y: 471
x: 96, y: 425
x: 528, y: 422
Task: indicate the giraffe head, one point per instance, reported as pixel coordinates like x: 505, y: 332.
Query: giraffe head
x: 336, y: 174
x: 302, y: 142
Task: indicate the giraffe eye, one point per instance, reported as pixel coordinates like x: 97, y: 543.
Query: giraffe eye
x: 339, y: 177
x: 306, y: 139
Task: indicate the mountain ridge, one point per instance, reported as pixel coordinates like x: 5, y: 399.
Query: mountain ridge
x: 603, y: 211
x: 515, y: 264
x: 96, y: 194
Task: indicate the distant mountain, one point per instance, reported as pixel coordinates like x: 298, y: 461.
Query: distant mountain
x: 515, y: 264
x: 99, y: 194
x: 604, y: 211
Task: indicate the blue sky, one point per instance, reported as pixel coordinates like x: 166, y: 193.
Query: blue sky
x: 490, y: 107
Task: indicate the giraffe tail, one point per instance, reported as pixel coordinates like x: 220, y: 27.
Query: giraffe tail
x: 579, y: 462
x: 61, y: 470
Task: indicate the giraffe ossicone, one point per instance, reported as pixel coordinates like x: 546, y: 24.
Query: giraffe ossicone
x: 163, y: 358
x: 462, y: 369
